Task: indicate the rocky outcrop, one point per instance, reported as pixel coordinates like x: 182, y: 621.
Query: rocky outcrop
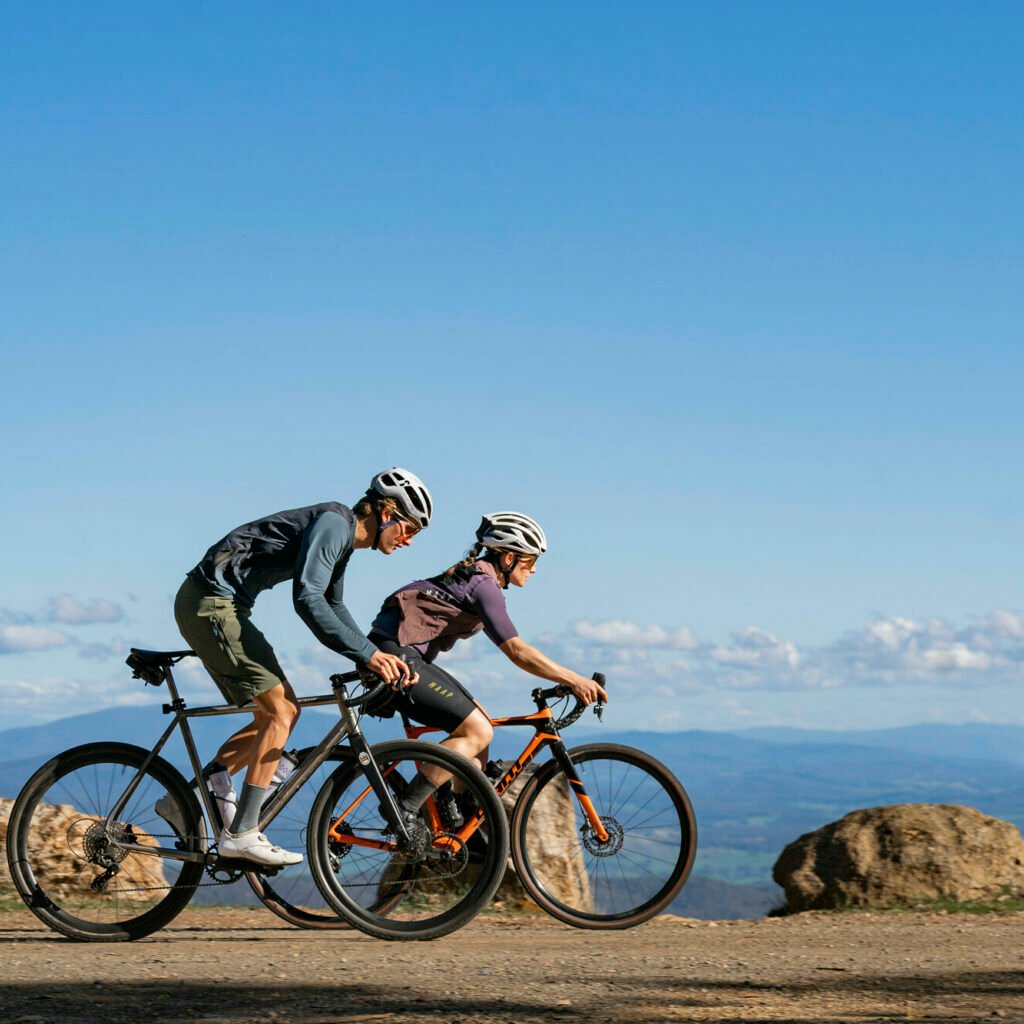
x: 56, y: 851
x: 903, y: 855
x: 554, y: 841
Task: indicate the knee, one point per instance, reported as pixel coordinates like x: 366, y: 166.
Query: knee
x: 281, y: 714
x: 287, y: 715
x: 479, y: 730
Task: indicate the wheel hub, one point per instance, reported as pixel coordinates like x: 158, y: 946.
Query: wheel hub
x: 99, y: 843
x: 611, y: 846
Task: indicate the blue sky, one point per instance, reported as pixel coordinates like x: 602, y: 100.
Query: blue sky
x: 727, y: 296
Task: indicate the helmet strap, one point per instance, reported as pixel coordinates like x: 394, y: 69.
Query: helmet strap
x: 506, y: 573
x: 375, y: 546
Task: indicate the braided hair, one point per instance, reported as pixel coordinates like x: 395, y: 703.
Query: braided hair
x: 472, y: 556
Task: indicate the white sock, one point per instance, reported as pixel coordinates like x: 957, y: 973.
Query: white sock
x: 284, y: 768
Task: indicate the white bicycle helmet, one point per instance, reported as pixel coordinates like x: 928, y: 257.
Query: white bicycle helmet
x: 512, y: 531
x: 408, y: 490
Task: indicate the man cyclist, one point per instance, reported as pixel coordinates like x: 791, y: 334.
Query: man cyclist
x: 310, y: 546
x: 428, y: 617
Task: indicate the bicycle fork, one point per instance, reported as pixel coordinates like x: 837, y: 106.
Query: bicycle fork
x: 357, y: 741
x: 561, y: 755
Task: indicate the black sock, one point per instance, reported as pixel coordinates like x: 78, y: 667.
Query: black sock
x: 416, y: 792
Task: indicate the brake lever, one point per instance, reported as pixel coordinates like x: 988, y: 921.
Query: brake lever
x: 598, y: 678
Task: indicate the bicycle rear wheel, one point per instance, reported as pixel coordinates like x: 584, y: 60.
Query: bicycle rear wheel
x: 644, y: 863
x: 428, y: 890
x: 77, y: 873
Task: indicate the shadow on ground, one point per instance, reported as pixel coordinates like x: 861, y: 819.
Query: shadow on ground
x: 644, y: 1001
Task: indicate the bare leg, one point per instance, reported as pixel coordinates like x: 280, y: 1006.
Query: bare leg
x: 470, y: 739
x: 274, y: 722
x: 237, y: 751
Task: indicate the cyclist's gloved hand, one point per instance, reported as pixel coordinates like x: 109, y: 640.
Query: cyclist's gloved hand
x: 392, y: 670
x: 586, y: 690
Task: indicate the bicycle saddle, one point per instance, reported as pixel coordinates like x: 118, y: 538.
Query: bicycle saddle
x: 150, y: 665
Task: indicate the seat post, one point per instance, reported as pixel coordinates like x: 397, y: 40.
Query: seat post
x: 172, y: 688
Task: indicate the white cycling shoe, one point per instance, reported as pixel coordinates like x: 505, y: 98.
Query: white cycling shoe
x: 254, y: 846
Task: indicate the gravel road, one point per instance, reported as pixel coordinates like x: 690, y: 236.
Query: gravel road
x: 214, y: 966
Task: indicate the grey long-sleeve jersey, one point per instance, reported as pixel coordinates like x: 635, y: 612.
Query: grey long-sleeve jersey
x: 310, y: 546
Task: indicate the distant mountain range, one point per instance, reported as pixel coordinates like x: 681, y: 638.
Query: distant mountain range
x: 753, y: 792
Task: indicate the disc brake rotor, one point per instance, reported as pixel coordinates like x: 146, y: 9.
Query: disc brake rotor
x: 611, y: 846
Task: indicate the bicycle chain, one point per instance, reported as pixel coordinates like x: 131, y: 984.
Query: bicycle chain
x: 202, y: 885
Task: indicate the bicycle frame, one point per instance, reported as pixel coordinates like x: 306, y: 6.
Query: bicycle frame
x: 545, y: 735
x: 347, y: 726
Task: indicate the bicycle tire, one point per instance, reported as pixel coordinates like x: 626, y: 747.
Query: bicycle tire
x: 638, y: 871
x: 405, y: 897
x: 63, y: 805
x: 294, y: 895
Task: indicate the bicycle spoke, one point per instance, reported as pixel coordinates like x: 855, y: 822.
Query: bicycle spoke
x: 103, y: 889
x: 641, y: 864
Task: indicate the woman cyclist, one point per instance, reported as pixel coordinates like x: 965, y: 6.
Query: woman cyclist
x: 428, y: 617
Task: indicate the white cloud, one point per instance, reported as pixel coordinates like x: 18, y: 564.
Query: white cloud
x: 886, y: 651
x: 620, y: 633
x: 50, y: 697
x: 754, y: 648
x: 955, y: 656
x: 900, y: 649
x: 69, y: 610
x: 653, y: 665
x: 23, y: 639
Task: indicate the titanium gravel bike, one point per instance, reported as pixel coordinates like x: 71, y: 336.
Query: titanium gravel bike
x: 91, y: 858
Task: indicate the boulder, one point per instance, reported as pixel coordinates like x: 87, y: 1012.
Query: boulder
x: 554, y: 841
x: 903, y: 855
x: 62, y: 870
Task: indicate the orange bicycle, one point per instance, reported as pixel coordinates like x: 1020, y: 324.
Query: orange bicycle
x: 603, y: 836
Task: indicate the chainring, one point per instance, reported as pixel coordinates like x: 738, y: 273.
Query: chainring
x: 448, y: 856
x: 222, y: 875
x: 340, y: 850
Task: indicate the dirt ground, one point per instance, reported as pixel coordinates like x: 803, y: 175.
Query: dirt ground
x: 215, y: 966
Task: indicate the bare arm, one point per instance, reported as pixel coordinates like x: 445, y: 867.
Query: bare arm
x: 537, y: 663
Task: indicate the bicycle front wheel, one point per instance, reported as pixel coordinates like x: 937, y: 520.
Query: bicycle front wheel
x: 637, y: 871
x: 441, y: 880
x: 90, y: 878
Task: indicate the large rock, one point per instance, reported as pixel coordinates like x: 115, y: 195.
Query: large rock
x: 902, y: 855
x: 61, y: 869
x: 554, y: 841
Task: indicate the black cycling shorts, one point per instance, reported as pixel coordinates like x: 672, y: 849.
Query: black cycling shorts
x: 438, y: 699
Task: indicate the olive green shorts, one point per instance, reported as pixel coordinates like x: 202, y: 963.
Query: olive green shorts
x: 234, y: 651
